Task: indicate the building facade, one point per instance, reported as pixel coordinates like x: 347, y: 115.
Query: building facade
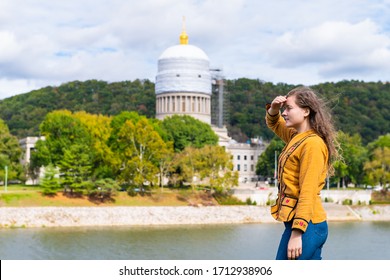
x: 28, y: 146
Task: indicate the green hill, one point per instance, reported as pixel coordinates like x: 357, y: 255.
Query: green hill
x: 23, y: 113
x: 358, y: 107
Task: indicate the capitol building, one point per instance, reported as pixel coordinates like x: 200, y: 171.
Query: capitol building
x: 184, y: 86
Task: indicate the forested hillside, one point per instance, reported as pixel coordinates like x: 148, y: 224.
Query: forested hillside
x: 358, y: 107
x: 23, y: 113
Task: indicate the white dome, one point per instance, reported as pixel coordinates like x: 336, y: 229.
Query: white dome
x: 184, y: 51
x: 183, y: 68
x: 183, y: 82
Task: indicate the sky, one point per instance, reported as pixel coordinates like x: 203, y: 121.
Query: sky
x: 48, y: 43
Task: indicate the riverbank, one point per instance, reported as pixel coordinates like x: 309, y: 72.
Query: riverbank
x: 168, y: 215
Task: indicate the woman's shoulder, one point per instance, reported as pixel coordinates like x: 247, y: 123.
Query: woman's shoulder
x: 315, y: 141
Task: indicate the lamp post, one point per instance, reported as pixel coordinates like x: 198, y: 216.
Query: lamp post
x: 5, y: 178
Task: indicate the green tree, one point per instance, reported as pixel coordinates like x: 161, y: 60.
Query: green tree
x: 183, y: 168
x: 76, y: 169
x: 266, y: 164
x: 354, y: 155
x: 117, y: 123
x: 50, y: 182
x: 62, y: 130
x: 188, y: 131
x: 340, y: 171
x: 10, y: 154
x: 102, y: 190
x: 39, y: 157
x: 381, y: 142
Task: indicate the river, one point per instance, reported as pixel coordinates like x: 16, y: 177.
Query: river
x: 346, y: 241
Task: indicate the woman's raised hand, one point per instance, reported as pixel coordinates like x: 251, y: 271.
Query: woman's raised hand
x: 276, y: 104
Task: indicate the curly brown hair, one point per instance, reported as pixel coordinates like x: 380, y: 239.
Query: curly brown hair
x: 320, y: 120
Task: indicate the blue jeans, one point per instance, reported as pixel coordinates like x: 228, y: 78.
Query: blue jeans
x: 312, y: 241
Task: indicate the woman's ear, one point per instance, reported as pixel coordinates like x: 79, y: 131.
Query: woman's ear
x: 307, y: 112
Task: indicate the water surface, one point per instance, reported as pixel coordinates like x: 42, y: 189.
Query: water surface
x: 352, y: 240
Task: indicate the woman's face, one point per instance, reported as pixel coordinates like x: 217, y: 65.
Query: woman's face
x: 294, y: 115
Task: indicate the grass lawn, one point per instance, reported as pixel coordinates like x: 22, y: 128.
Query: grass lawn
x: 27, y: 196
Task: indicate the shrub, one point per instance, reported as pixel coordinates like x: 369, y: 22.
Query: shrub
x: 132, y: 191
x: 102, y: 190
x: 250, y: 202
x: 328, y: 199
x: 347, y: 201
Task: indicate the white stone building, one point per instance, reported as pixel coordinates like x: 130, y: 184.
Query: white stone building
x: 28, y: 145
x: 245, y: 156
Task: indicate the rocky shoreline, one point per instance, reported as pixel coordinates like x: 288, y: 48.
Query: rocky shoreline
x: 11, y: 217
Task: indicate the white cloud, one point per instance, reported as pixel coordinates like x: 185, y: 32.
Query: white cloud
x: 335, y: 49
x: 9, y: 48
x: 331, y: 41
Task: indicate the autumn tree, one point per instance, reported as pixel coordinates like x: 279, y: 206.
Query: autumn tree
x: 184, y: 170
x: 378, y: 166
x: 209, y: 165
x: 215, y: 164
x: 378, y: 169
x: 99, y: 129
x: 164, y: 161
x: 140, y: 149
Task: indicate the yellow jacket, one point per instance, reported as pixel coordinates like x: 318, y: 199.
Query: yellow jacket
x: 302, y: 171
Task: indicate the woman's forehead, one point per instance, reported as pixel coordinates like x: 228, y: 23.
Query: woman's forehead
x: 290, y: 100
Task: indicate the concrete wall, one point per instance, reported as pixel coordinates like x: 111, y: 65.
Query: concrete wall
x: 358, y: 197
x: 262, y: 196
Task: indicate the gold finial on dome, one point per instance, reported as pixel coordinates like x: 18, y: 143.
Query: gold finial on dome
x: 183, y: 35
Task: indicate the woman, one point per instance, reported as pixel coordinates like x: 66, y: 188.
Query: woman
x: 305, y: 162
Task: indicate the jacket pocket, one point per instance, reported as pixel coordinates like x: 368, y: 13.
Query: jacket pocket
x: 285, y: 210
